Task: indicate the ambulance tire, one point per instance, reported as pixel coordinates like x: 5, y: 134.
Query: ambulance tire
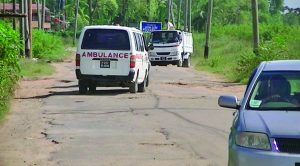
x: 148, y: 79
x: 179, y: 63
x: 92, y: 88
x: 186, y: 63
x: 133, y: 86
x: 82, y: 87
x: 142, y: 86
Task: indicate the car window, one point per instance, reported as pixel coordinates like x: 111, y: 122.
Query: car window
x: 105, y: 39
x: 165, y: 37
x: 138, y: 44
x: 142, y: 42
x: 276, y: 91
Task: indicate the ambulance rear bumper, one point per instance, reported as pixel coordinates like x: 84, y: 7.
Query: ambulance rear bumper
x: 100, y: 78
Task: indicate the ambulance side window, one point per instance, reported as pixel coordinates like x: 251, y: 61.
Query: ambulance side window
x: 137, y: 45
x: 142, y: 43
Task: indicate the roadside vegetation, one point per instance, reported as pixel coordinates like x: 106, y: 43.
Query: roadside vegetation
x: 46, y: 48
x: 231, y: 52
x: 9, y: 65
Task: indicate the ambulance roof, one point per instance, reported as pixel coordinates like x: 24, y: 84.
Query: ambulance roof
x: 112, y: 27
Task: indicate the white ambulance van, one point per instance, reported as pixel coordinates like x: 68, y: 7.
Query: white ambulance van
x: 112, y: 56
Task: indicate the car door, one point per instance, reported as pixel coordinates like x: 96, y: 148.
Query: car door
x: 139, y: 56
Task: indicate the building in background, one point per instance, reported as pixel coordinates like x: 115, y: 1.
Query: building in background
x: 8, y: 8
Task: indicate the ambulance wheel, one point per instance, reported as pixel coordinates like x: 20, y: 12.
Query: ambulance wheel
x: 133, y: 87
x: 142, y: 86
x: 186, y: 63
x: 82, y: 87
x: 179, y: 63
x: 92, y: 88
x: 148, y: 79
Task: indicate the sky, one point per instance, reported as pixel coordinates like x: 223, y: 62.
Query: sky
x: 292, y: 3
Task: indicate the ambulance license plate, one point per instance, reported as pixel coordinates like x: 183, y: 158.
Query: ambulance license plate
x: 104, y: 64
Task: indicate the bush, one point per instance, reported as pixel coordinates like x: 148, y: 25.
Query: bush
x: 47, y: 46
x: 9, y: 64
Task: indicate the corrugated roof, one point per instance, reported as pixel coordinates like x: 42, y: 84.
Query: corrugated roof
x: 9, y: 7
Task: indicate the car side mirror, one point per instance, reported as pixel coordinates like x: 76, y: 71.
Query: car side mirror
x: 151, y: 47
x: 228, y: 102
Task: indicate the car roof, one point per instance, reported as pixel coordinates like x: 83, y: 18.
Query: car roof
x: 282, y: 65
x: 112, y: 27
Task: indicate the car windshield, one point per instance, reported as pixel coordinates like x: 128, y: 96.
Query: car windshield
x: 105, y: 39
x: 162, y: 37
x: 276, y: 91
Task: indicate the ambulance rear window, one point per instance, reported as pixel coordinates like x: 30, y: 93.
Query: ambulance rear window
x: 105, y: 39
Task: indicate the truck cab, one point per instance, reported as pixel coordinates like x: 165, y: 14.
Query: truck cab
x: 170, y: 47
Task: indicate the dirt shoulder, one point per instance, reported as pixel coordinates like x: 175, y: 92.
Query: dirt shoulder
x: 23, y: 140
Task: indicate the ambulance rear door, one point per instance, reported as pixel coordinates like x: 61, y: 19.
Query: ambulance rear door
x: 105, y: 52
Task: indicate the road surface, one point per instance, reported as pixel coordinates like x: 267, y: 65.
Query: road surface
x: 176, y: 122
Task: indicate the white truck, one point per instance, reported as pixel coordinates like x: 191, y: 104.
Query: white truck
x: 170, y: 47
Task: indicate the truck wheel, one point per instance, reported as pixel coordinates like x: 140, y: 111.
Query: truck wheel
x: 82, y: 87
x: 179, y: 63
x: 186, y: 63
x: 142, y: 86
x: 133, y: 87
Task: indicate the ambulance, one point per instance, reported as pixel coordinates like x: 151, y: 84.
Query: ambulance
x: 112, y: 56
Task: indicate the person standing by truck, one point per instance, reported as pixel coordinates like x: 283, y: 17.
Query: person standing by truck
x: 170, y: 26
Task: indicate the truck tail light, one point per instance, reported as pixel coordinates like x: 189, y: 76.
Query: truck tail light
x: 77, y: 60
x: 132, y: 61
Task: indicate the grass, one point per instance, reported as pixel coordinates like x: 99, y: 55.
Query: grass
x: 224, y: 52
x: 30, y: 68
x: 231, y: 49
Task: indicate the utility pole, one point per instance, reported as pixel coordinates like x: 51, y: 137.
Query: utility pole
x: 26, y: 28
x: 169, y: 10
x: 14, y: 11
x: 255, y: 26
x: 29, y: 48
x: 21, y: 25
x: 38, y: 13
x: 208, y: 28
x: 43, y: 14
x: 190, y: 16
x: 178, y: 14
x: 76, y: 17
x: 172, y: 13
x: 185, y: 15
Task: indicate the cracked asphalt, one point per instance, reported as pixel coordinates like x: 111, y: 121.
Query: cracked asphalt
x: 176, y: 122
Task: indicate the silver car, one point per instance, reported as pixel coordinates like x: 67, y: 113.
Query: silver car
x: 266, y: 125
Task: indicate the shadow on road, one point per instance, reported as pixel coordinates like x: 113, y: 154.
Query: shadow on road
x: 101, y: 92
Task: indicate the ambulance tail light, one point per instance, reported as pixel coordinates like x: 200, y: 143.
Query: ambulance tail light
x: 132, y: 61
x: 77, y: 60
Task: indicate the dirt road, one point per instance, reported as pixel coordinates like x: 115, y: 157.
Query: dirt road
x: 176, y: 122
